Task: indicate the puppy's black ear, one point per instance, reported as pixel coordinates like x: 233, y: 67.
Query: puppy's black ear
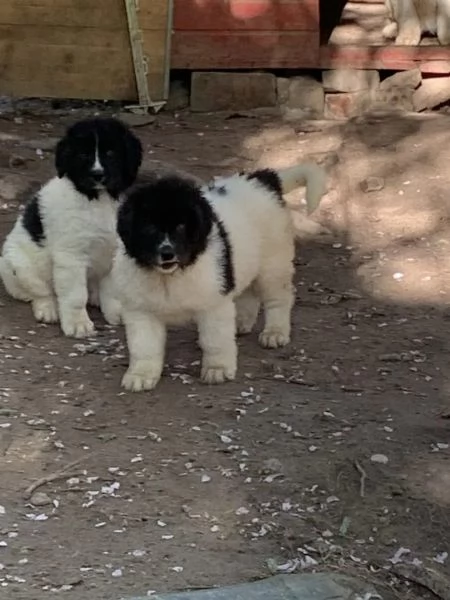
x: 125, y: 222
x: 62, y: 156
x: 133, y: 149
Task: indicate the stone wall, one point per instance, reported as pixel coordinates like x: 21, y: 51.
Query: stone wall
x: 333, y: 94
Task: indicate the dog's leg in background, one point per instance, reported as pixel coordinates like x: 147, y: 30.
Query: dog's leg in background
x: 109, y: 304
x: 277, y: 295
x: 247, y: 309
x: 217, y: 338
x: 93, y: 292
x: 146, y: 339
x: 409, y: 27
x: 70, y: 278
x: 443, y: 22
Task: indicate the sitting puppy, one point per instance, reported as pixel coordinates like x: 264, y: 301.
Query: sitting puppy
x: 209, y: 254
x: 59, y: 254
x: 410, y: 19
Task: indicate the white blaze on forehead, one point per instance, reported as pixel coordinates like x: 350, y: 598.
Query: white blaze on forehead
x: 97, y: 166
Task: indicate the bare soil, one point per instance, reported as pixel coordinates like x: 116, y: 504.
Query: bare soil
x: 330, y: 454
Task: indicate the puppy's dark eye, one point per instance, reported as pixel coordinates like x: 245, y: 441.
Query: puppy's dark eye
x: 110, y: 153
x: 181, y: 228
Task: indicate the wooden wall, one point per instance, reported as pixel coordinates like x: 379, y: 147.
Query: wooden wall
x: 245, y: 34
x: 77, y: 48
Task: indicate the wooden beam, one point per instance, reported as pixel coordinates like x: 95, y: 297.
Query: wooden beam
x: 245, y: 50
x: 396, y: 58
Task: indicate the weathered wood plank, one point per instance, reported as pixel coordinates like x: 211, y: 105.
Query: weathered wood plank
x: 78, y: 48
x: 220, y: 15
x: 75, y: 65
x: 104, y: 14
x: 380, y: 57
x: 245, y: 50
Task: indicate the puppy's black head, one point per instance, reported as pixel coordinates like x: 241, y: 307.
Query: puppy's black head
x: 165, y: 225
x: 99, y: 154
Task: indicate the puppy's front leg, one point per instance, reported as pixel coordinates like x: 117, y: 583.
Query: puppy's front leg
x: 70, y: 278
x: 409, y: 27
x: 443, y: 22
x: 146, y: 338
x: 217, y: 338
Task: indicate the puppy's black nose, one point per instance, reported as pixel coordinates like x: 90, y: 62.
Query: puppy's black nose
x: 98, y: 175
x: 167, y: 255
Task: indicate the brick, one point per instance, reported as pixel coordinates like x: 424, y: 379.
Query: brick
x: 215, y: 91
x: 347, y: 105
x: 350, y: 80
x: 301, y: 94
x: 431, y: 93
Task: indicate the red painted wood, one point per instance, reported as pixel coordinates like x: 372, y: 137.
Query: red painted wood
x: 229, y: 15
x: 245, y: 50
x: 383, y: 57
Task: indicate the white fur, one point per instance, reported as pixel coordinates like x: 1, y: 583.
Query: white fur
x: 261, y: 235
x: 409, y: 19
x: 72, y: 265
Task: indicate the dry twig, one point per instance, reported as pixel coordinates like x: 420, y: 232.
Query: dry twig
x: 361, y: 471
x: 61, y: 474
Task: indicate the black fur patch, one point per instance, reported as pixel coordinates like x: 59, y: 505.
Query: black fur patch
x: 116, y: 146
x: 31, y: 220
x: 229, y: 281
x: 269, y: 179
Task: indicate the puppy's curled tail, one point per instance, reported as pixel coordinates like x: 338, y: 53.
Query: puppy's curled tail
x: 309, y: 174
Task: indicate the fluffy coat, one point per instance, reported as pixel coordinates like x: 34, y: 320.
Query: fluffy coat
x: 59, y: 253
x: 211, y: 255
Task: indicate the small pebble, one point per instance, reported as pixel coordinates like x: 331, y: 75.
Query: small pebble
x: 380, y: 459
x: 40, y: 499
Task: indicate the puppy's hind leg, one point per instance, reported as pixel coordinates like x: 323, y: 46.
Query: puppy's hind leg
x: 23, y: 283
x: 247, y: 309
x: 217, y: 338
x: 277, y: 294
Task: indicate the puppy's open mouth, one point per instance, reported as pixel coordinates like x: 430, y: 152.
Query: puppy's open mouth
x: 168, y: 266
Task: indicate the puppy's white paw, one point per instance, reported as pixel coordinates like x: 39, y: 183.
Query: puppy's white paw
x: 79, y: 327
x: 144, y: 375
x: 273, y: 338
x: 45, y: 310
x: 214, y: 374
x: 408, y: 37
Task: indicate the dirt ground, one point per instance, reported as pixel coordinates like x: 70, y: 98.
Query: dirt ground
x: 330, y: 454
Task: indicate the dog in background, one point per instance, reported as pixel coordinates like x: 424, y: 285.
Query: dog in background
x: 410, y: 19
x: 209, y: 254
x: 59, y: 253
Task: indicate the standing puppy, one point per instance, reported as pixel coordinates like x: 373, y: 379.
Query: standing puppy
x: 209, y: 254
x: 59, y: 254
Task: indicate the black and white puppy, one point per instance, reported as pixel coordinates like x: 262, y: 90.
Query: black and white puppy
x: 59, y: 254
x: 209, y: 254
